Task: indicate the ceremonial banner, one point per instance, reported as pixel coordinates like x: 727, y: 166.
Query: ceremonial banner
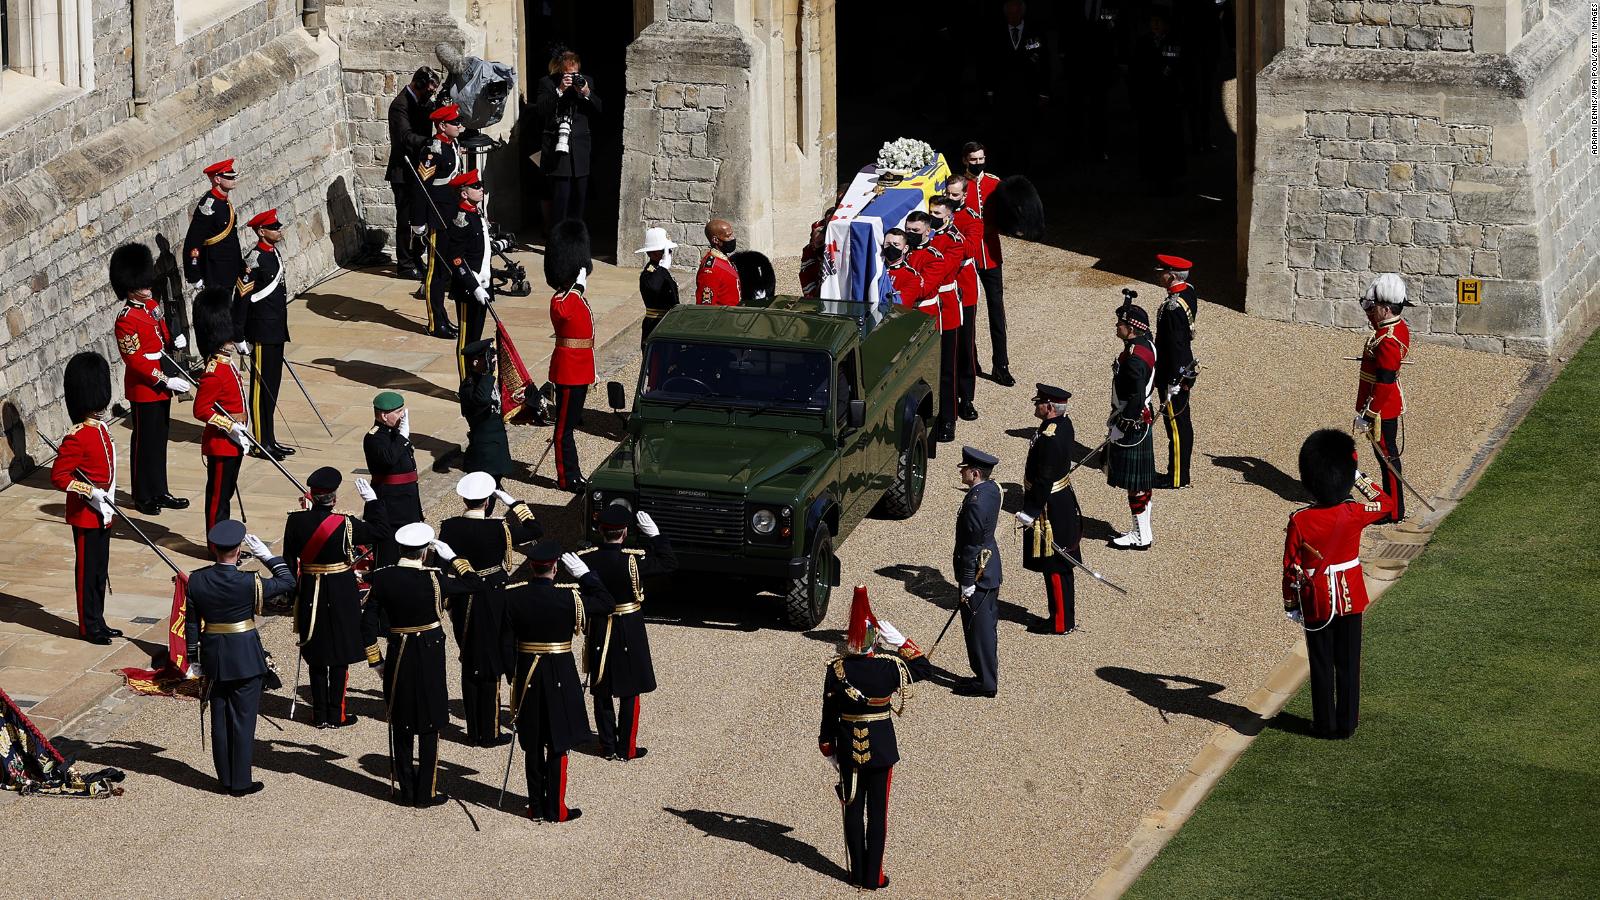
x: 514, y: 381
x: 852, y: 267
x: 29, y: 764
x: 169, y: 678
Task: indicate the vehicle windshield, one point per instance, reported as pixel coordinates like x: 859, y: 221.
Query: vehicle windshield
x: 722, y: 375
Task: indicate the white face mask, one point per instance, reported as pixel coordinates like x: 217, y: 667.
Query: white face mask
x: 666, y: 259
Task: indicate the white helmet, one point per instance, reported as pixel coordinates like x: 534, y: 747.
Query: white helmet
x: 1388, y: 288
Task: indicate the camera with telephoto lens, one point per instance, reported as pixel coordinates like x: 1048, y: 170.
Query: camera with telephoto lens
x: 563, y: 134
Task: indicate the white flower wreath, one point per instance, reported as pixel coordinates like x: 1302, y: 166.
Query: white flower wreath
x: 905, y: 154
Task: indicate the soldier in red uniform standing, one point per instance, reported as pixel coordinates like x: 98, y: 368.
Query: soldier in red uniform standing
x: 1379, y: 401
x: 943, y: 273
x: 907, y: 281
x: 970, y: 228
x: 1322, y: 584
x: 88, y: 452
x: 566, y: 267
x: 142, y: 340
x: 227, y: 433
x: 981, y: 186
x: 717, y: 283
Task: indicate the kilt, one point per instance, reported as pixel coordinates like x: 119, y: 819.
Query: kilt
x: 1132, y: 467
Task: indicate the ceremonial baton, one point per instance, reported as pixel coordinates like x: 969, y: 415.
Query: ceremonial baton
x: 983, y: 563
x: 300, y: 384
x: 266, y: 456
x: 1377, y: 451
x: 1092, y: 573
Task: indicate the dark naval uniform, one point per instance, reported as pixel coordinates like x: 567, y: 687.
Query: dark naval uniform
x: 1175, y: 377
x: 261, y: 318
x: 220, y: 629
x: 440, y: 162
x: 547, y: 697
x: 393, y: 464
x: 405, y: 604
x: 660, y: 292
x: 483, y: 633
x: 470, y: 253
x: 980, y: 613
x: 619, y: 650
x: 1047, y: 497
x: 211, y: 255
x: 488, y: 449
x: 327, y: 611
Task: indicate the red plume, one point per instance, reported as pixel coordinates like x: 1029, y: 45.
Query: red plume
x: 863, y: 624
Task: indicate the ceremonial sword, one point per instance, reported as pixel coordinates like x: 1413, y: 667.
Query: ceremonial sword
x: 983, y: 563
x: 266, y: 456
x: 256, y: 374
x: 1086, y: 456
x: 1377, y: 450
x: 1092, y: 573
x: 287, y: 364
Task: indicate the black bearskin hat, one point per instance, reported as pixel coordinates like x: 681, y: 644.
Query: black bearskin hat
x: 566, y: 254
x: 1328, y: 466
x: 132, y: 269
x: 757, y: 278
x: 1017, y: 210
x: 213, y: 319
x: 87, y: 385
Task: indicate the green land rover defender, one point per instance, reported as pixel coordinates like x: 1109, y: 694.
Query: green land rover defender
x: 762, y: 434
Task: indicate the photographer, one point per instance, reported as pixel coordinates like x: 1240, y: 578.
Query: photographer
x: 564, y: 102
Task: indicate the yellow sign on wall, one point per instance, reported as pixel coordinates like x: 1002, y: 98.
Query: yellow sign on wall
x: 1468, y: 290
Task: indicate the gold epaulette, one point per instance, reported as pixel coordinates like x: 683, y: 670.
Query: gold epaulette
x: 587, y: 550
x: 573, y: 586
x: 516, y: 585
x: 211, y: 365
x: 635, y: 551
x: 1048, y: 430
x: 373, y: 430
x: 74, y: 428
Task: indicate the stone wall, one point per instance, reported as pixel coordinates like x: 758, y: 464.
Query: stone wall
x: 1402, y: 25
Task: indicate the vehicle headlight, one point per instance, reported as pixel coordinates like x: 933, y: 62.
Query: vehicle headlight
x: 623, y: 502
x: 763, y: 521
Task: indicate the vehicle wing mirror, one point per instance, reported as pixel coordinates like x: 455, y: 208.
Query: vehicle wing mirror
x: 856, y: 415
x: 616, y: 396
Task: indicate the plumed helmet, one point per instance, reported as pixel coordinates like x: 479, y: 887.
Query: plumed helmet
x: 1388, y: 289
x: 1328, y: 465
x: 132, y: 269
x: 757, y: 278
x: 1016, y: 209
x: 567, y: 254
x: 86, y: 384
x: 863, y: 633
x: 213, y: 319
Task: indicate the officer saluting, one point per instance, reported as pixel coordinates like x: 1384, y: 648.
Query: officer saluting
x: 656, y: 284
x: 567, y: 265
x: 211, y: 246
x: 404, y: 603
x: 261, y: 322
x: 717, y: 282
x: 320, y: 546
x: 1050, y: 506
x: 1175, y: 366
x: 977, y: 569
x: 483, y: 633
x: 546, y: 697
x: 88, y: 449
x: 857, y: 732
x: 393, y: 464
x: 618, y: 649
x: 142, y: 340
x: 220, y: 630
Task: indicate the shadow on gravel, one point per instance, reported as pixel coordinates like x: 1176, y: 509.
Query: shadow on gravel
x: 140, y: 758
x: 1261, y: 473
x: 1182, y: 695
x: 931, y: 585
x: 350, y: 309
x: 772, y: 837
x: 387, y: 378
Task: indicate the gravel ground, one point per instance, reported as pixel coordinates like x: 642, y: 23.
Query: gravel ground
x: 1028, y: 794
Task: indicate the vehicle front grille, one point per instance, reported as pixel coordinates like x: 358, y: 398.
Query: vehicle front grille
x: 710, y: 521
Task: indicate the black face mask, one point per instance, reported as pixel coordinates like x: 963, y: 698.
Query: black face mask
x: 939, y: 223
x: 974, y: 169
x: 729, y: 246
x: 913, y: 240
x: 891, y: 254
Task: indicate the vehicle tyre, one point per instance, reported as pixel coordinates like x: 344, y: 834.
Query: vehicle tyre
x: 904, y: 496
x: 806, y: 601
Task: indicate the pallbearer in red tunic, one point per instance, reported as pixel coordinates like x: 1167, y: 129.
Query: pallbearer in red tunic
x: 226, y: 437
x: 1379, y: 401
x: 143, y: 339
x: 566, y: 268
x: 970, y: 227
x: 717, y: 283
x: 939, y: 274
x: 1322, y: 584
x: 907, y: 281
x: 87, y: 449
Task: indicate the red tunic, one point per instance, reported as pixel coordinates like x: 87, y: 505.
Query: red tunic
x: 931, y: 266
x: 141, y: 336
x: 219, y: 384
x: 971, y: 228
x: 1325, y: 543
x: 1380, y: 370
x: 572, y: 361
x: 978, y: 191
x: 909, y: 285
x: 87, y: 447
x: 954, y: 248
x: 717, y: 282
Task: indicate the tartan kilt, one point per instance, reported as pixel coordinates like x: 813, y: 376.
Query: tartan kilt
x: 1132, y: 467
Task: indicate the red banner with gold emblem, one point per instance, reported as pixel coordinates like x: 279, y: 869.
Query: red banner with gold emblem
x: 168, y: 678
x: 514, y: 380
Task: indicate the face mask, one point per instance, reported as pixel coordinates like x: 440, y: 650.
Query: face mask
x: 729, y: 246
x: 891, y: 254
x: 939, y: 223
x: 913, y: 240
x: 974, y: 168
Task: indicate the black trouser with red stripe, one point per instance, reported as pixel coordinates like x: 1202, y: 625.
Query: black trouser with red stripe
x: 151, y: 423
x: 606, y: 715
x: 480, y: 702
x: 1388, y: 434
x: 866, y: 820
x: 569, y: 412
x: 222, y: 479
x: 547, y: 777
x: 967, y: 354
x: 1060, y: 595
x: 417, y: 779
x: 949, y: 342
x: 93, y: 549
x: 994, y: 300
x: 328, y: 684
x: 266, y: 376
x: 1335, y: 652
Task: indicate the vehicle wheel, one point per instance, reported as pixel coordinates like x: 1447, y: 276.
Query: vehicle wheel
x: 806, y: 601
x: 904, y: 496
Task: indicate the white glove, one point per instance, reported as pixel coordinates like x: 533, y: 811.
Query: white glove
x: 833, y: 760
x: 1023, y: 518
x: 364, y: 489
x: 480, y: 295
x: 443, y: 551
x: 101, y: 501
x: 194, y: 672
x: 200, y: 285
x: 177, y: 385
x: 405, y: 424
x: 647, y: 525
x: 1361, y: 425
x: 419, y: 229
x: 891, y: 635
x: 180, y: 342
x: 240, y: 434
x: 969, y: 590
x: 504, y: 497
x: 1295, y: 616
x: 242, y: 346
x: 257, y: 547
x: 574, y: 564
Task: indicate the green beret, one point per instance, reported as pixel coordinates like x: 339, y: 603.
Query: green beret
x: 388, y: 401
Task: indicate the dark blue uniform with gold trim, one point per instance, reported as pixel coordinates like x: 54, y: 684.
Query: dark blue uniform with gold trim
x: 1048, y: 498
x: 618, y: 647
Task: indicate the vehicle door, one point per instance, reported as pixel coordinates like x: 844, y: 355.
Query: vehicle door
x: 855, y: 465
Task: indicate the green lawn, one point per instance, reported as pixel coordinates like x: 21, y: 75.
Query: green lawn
x: 1476, y: 769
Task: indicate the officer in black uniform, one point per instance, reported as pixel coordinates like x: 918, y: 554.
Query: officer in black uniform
x: 393, y: 464
x: 656, y: 284
x: 220, y: 629
x: 483, y: 633
x: 404, y: 604
x: 433, y: 203
x: 1175, y: 364
x: 487, y: 447
x: 619, y: 650
x: 1050, y: 506
x: 211, y: 255
x: 546, y: 696
x: 470, y: 252
x: 261, y: 325
x: 977, y: 568
x: 321, y: 547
